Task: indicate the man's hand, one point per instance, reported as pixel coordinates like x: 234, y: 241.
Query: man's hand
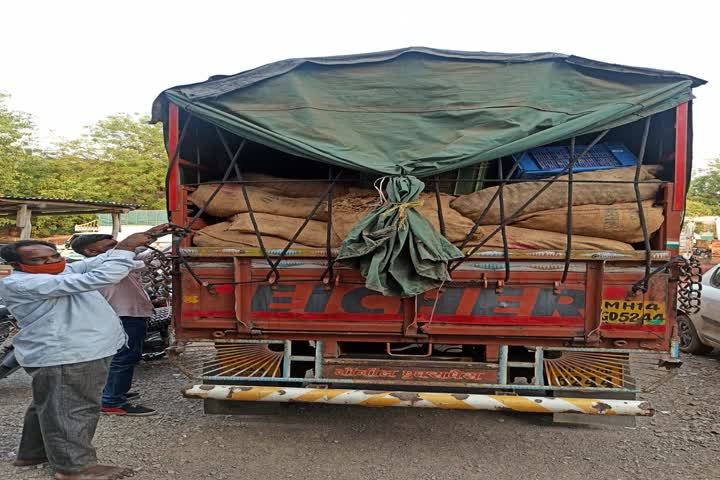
x: 136, y: 240
x: 132, y: 242
x: 160, y: 230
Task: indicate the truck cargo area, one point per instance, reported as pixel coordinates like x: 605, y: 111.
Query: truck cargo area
x: 528, y: 318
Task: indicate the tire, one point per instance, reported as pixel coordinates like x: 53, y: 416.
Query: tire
x: 160, y: 320
x: 6, y: 372
x: 8, y: 364
x: 689, y: 338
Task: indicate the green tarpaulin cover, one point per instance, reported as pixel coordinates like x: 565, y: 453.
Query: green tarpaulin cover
x: 417, y: 112
x: 422, y: 111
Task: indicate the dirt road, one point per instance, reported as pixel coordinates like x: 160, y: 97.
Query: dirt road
x: 681, y: 442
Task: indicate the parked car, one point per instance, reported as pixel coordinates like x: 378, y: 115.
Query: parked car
x: 700, y: 332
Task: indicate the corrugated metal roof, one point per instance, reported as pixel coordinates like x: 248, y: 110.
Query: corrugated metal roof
x: 68, y: 200
x: 60, y: 206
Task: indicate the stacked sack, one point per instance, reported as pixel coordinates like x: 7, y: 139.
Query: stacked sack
x: 605, y: 216
x: 606, y: 212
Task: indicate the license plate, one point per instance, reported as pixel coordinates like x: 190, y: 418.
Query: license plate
x: 624, y: 312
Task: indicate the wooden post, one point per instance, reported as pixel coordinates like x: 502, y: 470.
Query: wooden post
x: 115, y: 225
x: 23, y: 220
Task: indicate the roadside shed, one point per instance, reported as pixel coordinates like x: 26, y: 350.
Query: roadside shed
x: 23, y: 209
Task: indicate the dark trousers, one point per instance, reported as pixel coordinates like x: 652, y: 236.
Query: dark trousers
x: 61, y: 419
x: 120, y: 376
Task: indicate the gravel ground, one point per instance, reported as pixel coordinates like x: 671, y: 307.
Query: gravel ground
x: 681, y: 441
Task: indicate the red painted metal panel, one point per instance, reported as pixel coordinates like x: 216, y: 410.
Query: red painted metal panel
x: 172, y: 195
x: 201, y: 308
x: 173, y: 179
x: 426, y: 372
x: 208, y: 313
x: 243, y: 293
x: 504, y: 332
x: 350, y: 317
x: 681, y: 125
x: 514, y: 320
x: 533, y: 307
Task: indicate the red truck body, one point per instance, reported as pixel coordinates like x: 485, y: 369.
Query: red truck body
x: 485, y: 331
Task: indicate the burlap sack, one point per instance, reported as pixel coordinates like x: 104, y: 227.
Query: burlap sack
x: 618, y: 222
x: 555, y: 196
x: 225, y: 234
x: 230, y: 201
x: 456, y: 225
x: 293, y: 188
x: 347, y: 211
x: 526, y: 239
x: 314, y: 234
x: 220, y: 235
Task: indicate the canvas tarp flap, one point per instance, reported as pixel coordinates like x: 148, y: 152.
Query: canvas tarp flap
x: 421, y: 111
x: 395, y: 248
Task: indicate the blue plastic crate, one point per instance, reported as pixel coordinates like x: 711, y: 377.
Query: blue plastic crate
x: 544, y: 162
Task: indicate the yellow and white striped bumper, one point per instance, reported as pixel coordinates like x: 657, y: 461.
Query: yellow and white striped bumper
x: 461, y: 401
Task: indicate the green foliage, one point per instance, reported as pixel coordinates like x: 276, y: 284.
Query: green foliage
x: 119, y: 159
x: 15, y: 143
x: 122, y: 159
x: 704, y: 194
x: 705, y: 187
x: 695, y: 208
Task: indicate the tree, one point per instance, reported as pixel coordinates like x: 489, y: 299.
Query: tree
x: 122, y: 159
x: 119, y: 159
x: 705, y: 187
x: 695, y: 208
x: 15, y: 141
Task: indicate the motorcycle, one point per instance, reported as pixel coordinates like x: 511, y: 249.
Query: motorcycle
x: 8, y: 329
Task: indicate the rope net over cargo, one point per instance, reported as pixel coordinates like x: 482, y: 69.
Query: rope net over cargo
x: 415, y: 117
x: 385, y: 207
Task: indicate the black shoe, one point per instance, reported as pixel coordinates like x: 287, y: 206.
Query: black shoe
x: 130, y: 395
x: 129, y: 410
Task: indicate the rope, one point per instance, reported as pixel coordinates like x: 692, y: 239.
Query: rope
x: 435, y: 303
x: 402, y: 211
x: 380, y: 187
x: 401, y: 208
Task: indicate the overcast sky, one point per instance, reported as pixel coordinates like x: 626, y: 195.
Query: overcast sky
x: 70, y: 63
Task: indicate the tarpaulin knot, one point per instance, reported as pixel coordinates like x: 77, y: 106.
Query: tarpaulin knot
x: 401, y: 208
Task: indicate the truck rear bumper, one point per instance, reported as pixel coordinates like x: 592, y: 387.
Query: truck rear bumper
x: 458, y: 401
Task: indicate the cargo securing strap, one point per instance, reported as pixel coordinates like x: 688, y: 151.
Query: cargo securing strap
x: 395, y: 248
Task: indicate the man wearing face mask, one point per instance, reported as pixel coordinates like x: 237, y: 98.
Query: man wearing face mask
x: 133, y: 306
x: 68, y: 335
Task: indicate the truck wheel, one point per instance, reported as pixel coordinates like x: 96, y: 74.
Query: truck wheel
x: 689, y: 339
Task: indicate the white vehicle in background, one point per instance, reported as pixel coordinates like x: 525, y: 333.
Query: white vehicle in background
x: 700, y: 332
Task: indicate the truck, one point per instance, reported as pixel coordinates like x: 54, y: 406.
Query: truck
x: 570, y: 332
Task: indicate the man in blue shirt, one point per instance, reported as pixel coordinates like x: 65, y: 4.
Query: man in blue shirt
x: 68, y: 335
